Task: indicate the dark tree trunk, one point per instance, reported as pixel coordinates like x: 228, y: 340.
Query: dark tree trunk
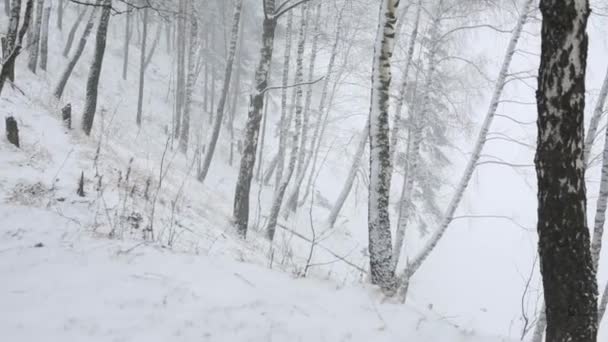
x: 12, y: 131
x: 34, y: 47
x: 72, y: 34
x: 66, y: 116
x: 95, y: 71
x: 142, y: 69
x: 58, y: 93
x: 569, y: 280
x: 44, y: 37
x: 125, y: 61
x: 60, y: 15
x: 243, y: 185
x: 14, y: 41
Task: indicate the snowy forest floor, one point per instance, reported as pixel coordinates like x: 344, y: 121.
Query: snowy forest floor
x: 76, y: 268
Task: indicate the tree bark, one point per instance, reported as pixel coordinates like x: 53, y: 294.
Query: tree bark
x: 243, y: 185
x: 380, y: 242
x: 127, y: 44
x: 299, y: 77
x: 92, y: 88
x: 14, y: 40
x: 190, y: 81
x: 65, y: 76
x: 35, y: 44
x: 142, y: 68
x: 219, y: 117
x: 44, y: 36
x: 72, y: 34
x: 569, y: 280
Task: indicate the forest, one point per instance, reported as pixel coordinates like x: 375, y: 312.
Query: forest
x: 304, y: 170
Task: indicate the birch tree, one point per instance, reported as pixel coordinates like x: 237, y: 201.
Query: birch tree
x: 92, y: 88
x: 448, y: 215
x: 219, y: 117
x: 380, y: 241
x: 243, y: 186
x: 569, y: 280
x: 299, y: 77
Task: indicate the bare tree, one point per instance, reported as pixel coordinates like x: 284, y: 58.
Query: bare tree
x: 12, y: 43
x: 34, y: 47
x: 92, y: 88
x: 219, y: 117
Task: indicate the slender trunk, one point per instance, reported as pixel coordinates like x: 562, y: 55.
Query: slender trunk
x: 350, y: 179
x: 380, y: 242
x: 284, y: 120
x: 181, y: 69
x: 404, y: 84
x: 14, y: 40
x: 159, y: 28
x: 44, y: 36
x: 142, y: 68
x: 219, y: 117
x: 127, y: 44
x: 65, y: 76
x: 603, y: 304
x: 92, y: 88
x: 243, y: 185
x: 235, y: 99
x: 60, y: 15
x: 72, y: 34
x: 190, y: 81
x: 299, y: 77
x: 595, y: 119
x: 260, y: 158
x: 306, y: 153
x: 569, y: 279
x: 475, y: 155
x: 35, y: 46
x: 7, y: 7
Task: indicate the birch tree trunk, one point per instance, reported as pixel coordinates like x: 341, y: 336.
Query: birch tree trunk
x: 280, y: 191
x: 243, y: 185
x: 323, y: 109
x: 92, y: 88
x: 65, y: 76
x: 475, y: 155
x: 380, y: 241
x: 219, y: 117
x: 284, y: 120
x: 569, y: 280
x: 306, y: 153
x: 595, y: 118
x: 35, y: 44
x: 142, y: 68
x: 44, y: 35
x: 404, y: 84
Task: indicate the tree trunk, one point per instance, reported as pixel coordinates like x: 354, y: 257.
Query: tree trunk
x: 92, y: 88
x: 350, y: 179
x: 190, y: 82
x: 7, y: 7
x: 569, y: 280
x: 235, y: 99
x: 125, y: 61
x: 44, y: 36
x: 380, y: 242
x: 14, y: 40
x: 280, y: 191
x: 65, y: 76
x: 284, y: 120
x: 219, y: 117
x: 12, y: 131
x: 142, y: 68
x: 243, y: 185
x: 306, y: 154
x: 35, y: 45
x: 60, y: 15
x: 475, y: 155
x: 181, y: 69
x: 595, y: 119
x: 72, y: 34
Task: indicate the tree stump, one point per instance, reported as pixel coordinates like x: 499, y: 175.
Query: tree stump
x: 80, y: 190
x: 12, y: 131
x: 66, y: 116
